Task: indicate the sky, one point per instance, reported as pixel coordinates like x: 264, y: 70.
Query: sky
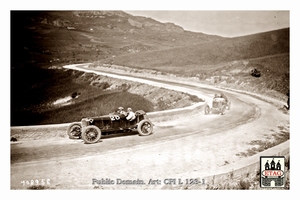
x: 228, y: 18
x: 229, y: 23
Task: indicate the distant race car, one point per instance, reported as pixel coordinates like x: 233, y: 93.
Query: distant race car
x: 219, y: 105
x: 90, y: 129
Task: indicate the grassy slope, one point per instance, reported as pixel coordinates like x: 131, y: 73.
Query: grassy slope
x: 229, y: 59
x: 45, y: 37
x: 214, y: 53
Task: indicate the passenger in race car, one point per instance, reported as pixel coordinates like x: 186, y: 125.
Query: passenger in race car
x: 224, y: 97
x: 131, y: 115
x: 121, y: 112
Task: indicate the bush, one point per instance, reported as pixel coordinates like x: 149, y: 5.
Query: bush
x: 103, y: 85
x: 244, y: 185
x: 74, y: 95
x: 255, y: 73
x: 195, y: 98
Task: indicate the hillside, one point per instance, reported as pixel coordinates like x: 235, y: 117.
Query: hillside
x: 202, y: 56
x: 44, y: 37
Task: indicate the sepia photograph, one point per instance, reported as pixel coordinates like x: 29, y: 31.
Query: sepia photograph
x: 139, y: 99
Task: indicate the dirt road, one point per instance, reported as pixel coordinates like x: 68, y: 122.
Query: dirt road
x: 187, y: 146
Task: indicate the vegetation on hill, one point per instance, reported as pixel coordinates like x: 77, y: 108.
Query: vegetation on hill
x: 199, y: 56
x: 56, y: 37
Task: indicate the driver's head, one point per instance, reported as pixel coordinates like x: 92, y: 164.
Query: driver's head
x: 120, y: 108
x: 129, y: 109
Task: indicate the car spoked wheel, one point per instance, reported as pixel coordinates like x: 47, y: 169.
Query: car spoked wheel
x: 145, y: 127
x: 91, y: 134
x: 74, y: 130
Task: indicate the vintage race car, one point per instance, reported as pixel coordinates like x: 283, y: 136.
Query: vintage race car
x: 91, y: 129
x: 219, y: 105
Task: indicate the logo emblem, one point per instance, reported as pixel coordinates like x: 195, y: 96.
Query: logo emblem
x: 272, y: 171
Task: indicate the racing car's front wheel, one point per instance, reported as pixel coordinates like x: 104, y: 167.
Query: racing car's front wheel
x: 74, y: 130
x: 91, y: 134
x: 223, y: 110
x: 145, y: 127
x: 229, y: 105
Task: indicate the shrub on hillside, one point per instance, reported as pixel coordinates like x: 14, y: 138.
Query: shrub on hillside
x: 195, y: 98
x: 74, y: 95
x: 104, y: 85
x: 255, y: 73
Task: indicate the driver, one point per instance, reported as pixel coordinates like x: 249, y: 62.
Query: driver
x: 217, y: 96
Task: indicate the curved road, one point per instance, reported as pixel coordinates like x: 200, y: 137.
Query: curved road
x: 189, y: 145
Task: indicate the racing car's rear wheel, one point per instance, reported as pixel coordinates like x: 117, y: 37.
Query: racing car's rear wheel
x: 145, y: 127
x: 206, y: 110
x: 91, y: 134
x: 74, y: 130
